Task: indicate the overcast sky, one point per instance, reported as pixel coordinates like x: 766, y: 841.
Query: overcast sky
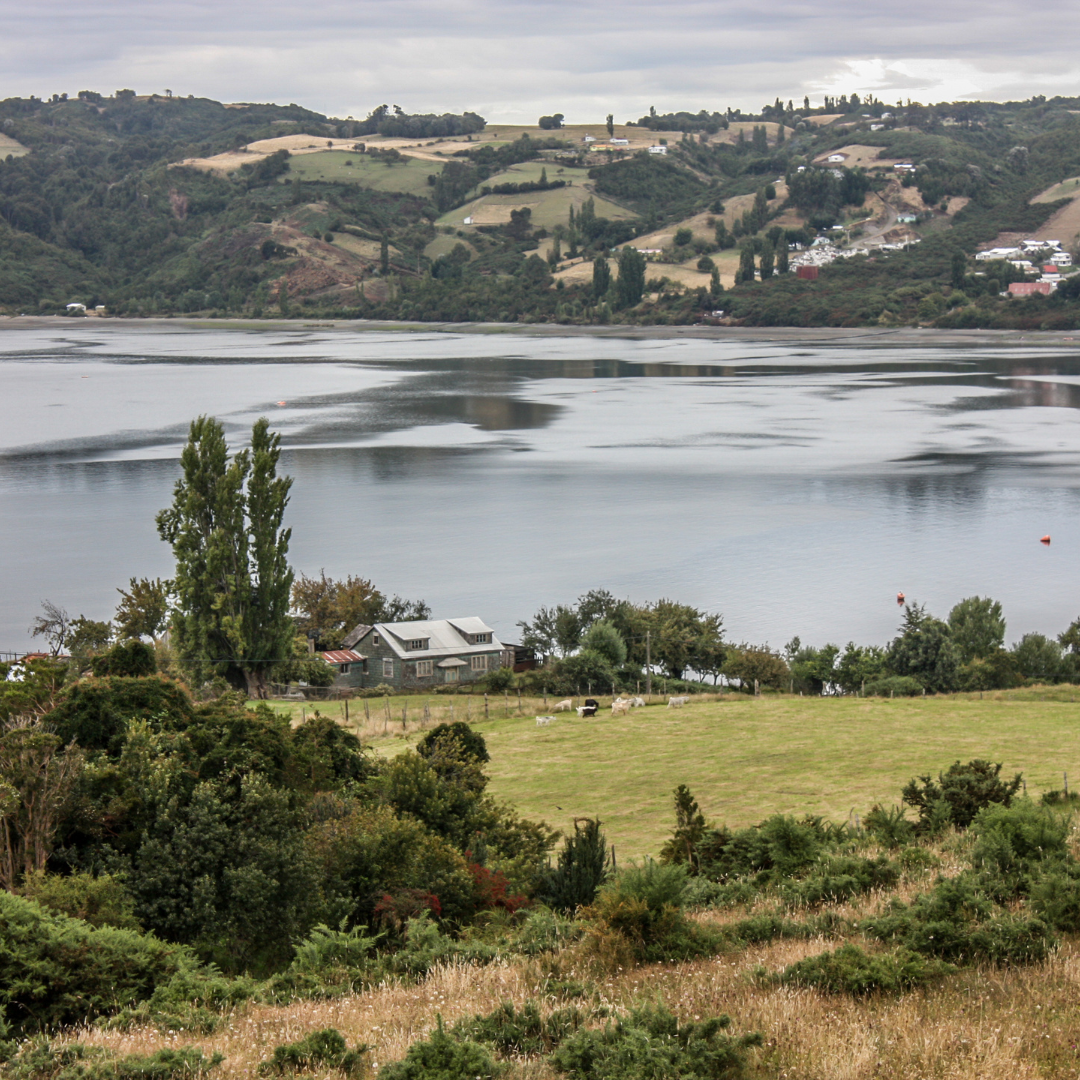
x: 511, y: 60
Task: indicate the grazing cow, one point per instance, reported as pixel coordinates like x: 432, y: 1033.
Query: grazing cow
x: 587, y: 710
x: 564, y: 706
x: 676, y: 702
x: 543, y: 721
x: 620, y: 708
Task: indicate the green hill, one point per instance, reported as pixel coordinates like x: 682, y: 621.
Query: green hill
x: 161, y: 205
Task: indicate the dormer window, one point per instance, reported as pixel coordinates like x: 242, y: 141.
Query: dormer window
x: 418, y: 643
x: 480, y: 639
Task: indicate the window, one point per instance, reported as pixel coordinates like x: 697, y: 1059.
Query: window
x: 418, y: 643
x: 343, y: 668
x: 374, y: 639
x: 481, y: 639
x: 388, y: 668
x: 479, y: 663
x: 424, y: 668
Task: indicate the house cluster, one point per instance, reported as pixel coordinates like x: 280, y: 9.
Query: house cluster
x: 414, y: 655
x: 1044, y: 260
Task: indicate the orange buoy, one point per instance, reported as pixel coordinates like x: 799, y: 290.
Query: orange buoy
x: 900, y: 598
x: 281, y: 402
x: 1045, y: 540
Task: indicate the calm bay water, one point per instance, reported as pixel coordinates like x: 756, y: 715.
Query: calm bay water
x: 794, y: 488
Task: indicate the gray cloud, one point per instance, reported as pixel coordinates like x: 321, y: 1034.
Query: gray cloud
x: 511, y: 61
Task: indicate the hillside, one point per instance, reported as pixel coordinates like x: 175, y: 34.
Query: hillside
x: 161, y: 205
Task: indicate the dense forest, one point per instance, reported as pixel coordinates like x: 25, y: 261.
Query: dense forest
x: 102, y: 206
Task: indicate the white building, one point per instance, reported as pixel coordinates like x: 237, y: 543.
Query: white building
x: 656, y: 149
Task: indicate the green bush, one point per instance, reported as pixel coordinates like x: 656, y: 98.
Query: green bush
x: 99, y: 901
x: 520, y: 1032
x: 894, y: 686
x: 651, y: 1042
x: 1012, y: 841
x: 768, y: 926
x: 839, y: 877
x: 958, y: 921
x: 194, y: 999
x: 55, y: 970
x: 960, y: 792
x: 1055, y: 898
x: 637, y: 916
x: 133, y: 659
x: 442, y: 1057
x: 581, y: 869
x: 889, y: 826
x: 456, y: 738
x: 39, y: 1059
x: 850, y: 970
x: 325, y: 1049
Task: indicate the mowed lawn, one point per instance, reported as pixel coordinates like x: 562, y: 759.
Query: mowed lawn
x: 746, y: 758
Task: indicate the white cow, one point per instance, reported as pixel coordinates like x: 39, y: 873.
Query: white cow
x: 564, y: 706
x: 676, y: 702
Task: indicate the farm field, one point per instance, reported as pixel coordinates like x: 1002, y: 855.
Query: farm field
x: 344, y: 166
x: 549, y: 208
x: 10, y: 147
x: 743, y: 758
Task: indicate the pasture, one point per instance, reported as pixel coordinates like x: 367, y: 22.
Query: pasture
x: 408, y: 177
x: 744, y: 758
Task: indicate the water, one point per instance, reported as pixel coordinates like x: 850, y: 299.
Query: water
x: 793, y: 487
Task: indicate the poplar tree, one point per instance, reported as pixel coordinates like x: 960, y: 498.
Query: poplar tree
x: 232, y: 579
x: 601, y: 277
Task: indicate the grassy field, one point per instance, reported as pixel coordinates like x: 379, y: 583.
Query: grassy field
x: 344, y: 166
x: 744, y: 758
x: 549, y: 208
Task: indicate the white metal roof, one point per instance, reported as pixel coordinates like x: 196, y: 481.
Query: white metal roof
x: 445, y: 637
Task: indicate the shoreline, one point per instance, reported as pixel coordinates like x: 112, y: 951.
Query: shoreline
x: 818, y: 335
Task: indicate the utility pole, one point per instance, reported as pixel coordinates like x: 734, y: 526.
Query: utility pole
x: 648, y: 663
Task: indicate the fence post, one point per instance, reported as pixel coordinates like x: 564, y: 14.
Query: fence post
x: 485, y: 705
x: 404, y: 718
x: 386, y: 707
x: 519, y: 701
x: 545, y: 699
x: 506, y: 703
x: 367, y: 712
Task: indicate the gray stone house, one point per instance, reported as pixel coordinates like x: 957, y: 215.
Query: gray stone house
x: 415, y: 655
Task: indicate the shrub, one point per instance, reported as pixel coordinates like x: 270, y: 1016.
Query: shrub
x: 1013, y: 840
x: 99, y: 901
x: 325, y: 1049
x: 521, y: 1031
x: 638, y: 916
x: 956, y: 921
x: 41, y: 1060
x: 1055, y: 898
x: 457, y: 737
x: 580, y: 870
x: 130, y: 658
x: 894, y: 686
x: 442, y: 1057
x: 194, y: 999
x: 55, y: 970
x: 889, y: 826
x: 837, y: 878
x: 650, y: 1042
x: 850, y: 970
x: 963, y: 790
x: 500, y: 679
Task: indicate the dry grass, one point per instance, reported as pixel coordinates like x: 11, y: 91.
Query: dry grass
x: 989, y: 1023
x: 862, y: 156
x: 10, y: 147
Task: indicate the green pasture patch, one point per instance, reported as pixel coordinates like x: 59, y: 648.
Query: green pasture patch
x: 408, y: 177
x: 744, y: 758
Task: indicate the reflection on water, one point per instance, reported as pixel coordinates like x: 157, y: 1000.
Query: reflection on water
x: 794, y: 489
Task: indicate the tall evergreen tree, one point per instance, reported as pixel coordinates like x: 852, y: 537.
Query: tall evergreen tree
x: 766, y: 262
x: 631, y: 282
x: 781, y: 255
x: 601, y: 277
x: 232, y: 579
